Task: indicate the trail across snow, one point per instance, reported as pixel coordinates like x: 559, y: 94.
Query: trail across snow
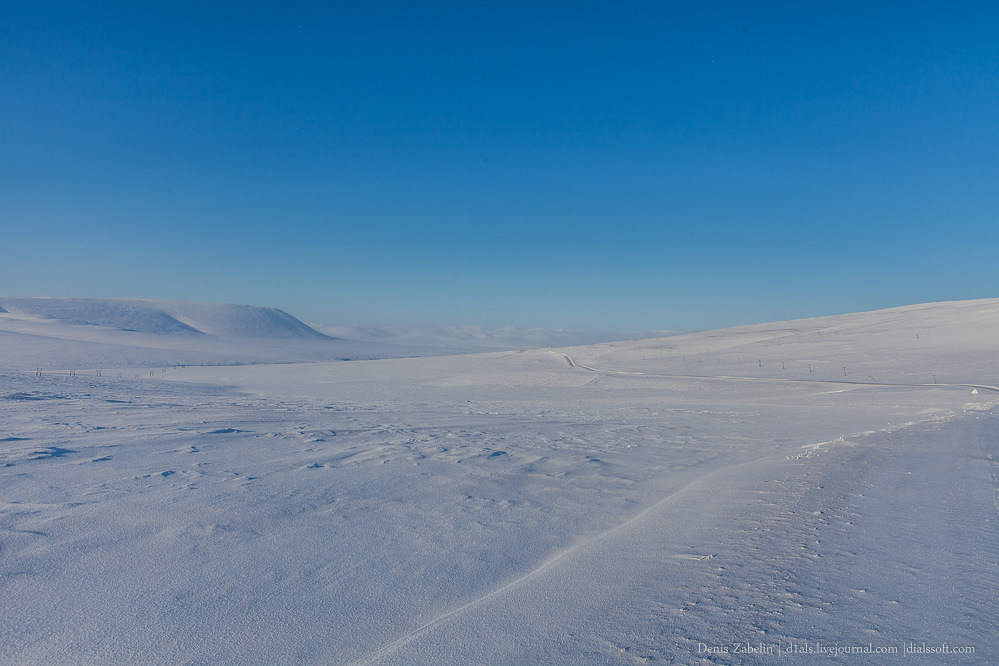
x: 573, y: 364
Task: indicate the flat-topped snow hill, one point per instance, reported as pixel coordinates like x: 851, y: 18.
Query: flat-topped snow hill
x: 164, y: 317
x: 64, y: 333
x: 824, y: 490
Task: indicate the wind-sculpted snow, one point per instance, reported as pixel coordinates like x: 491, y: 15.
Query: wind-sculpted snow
x: 594, y: 505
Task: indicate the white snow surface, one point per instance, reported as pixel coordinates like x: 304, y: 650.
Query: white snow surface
x: 778, y: 493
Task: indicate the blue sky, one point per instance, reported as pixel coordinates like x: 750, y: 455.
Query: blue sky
x: 587, y: 165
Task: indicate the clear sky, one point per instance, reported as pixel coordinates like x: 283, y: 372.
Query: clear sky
x: 587, y: 165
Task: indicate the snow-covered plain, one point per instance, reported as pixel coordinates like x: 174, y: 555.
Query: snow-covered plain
x: 736, y: 496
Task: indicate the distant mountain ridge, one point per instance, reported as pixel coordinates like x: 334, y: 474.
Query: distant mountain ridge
x: 166, y: 317
x: 477, y: 338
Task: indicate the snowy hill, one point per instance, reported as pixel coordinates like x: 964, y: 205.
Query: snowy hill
x: 956, y: 341
x: 165, y: 317
x: 66, y: 333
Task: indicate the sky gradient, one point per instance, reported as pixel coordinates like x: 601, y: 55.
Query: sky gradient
x: 584, y: 165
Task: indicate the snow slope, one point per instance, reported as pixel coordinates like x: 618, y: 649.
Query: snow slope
x: 951, y: 342
x: 706, y: 498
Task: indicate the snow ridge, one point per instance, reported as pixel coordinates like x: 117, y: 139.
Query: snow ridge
x: 166, y: 317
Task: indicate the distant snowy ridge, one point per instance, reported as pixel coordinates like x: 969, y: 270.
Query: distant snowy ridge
x: 484, y: 339
x: 166, y: 317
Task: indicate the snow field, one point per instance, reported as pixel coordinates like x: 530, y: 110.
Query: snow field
x: 511, y: 507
